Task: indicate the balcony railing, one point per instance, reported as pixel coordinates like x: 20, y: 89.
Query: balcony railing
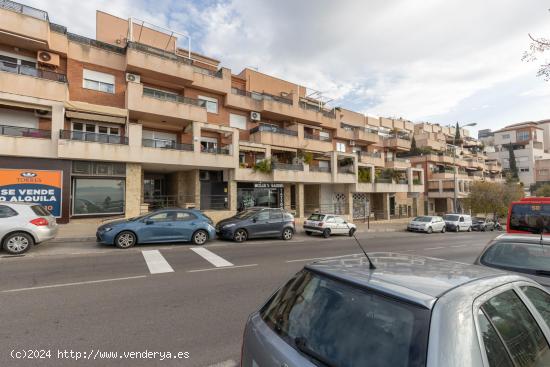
x: 327, y: 113
x: 346, y: 169
x: 166, y: 144
x: 398, y: 159
x: 95, y: 43
x: 24, y: 9
x: 316, y: 137
x: 24, y: 132
x: 288, y: 166
x: 172, y: 97
x: 369, y: 154
x: 261, y: 96
x: 273, y: 129
x: 93, y: 137
x: 30, y: 71
x: 319, y: 169
x: 216, y: 150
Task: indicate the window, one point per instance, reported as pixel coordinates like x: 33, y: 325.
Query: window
x: 40, y: 211
x: 495, y: 350
x: 341, y: 147
x: 517, y: 329
x: 6, y: 212
x: 275, y: 215
x: 524, y: 169
x: 339, y: 220
x: 505, y: 136
x: 210, y: 103
x: 323, y: 135
x: 237, y: 121
x: 347, y: 326
x: 209, y: 144
x: 263, y: 215
x: 522, y: 135
x: 543, y: 172
x: 539, y: 299
x: 160, y: 94
x: 98, y: 196
x: 161, y: 217
x: 184, y: 216
x: 96, y: 80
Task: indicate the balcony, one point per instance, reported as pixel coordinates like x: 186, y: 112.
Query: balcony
x: 316, y: 142
x: 242, y: 99
x: 93, y: 146
x: 398, y: 143
x: 273, y: 135
x: 166, y: 144
x: 146, y: 103
x: 398, y: 163
x: 21, y: 20
x: 374, y: 158
x: 367, y: 135
x: 32, y: 82
x: 23, y: 141
x: 93, y: 137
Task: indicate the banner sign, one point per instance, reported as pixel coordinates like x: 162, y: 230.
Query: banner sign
x: 269, y: 185
x: 33, y: 186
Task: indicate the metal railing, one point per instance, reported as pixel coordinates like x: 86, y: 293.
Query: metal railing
x: 287, y: 166
x: 399, y: 136
x: 166, y: 144
x: 24, y: 132
x: 91, y: 42
x: 213, y: 73
x: 160, y: 201
x: 398, y: 159
x: 24, y: 9
x: 273, y: 129
x: 346, y: 169
x: 93, y: 137
x: 325, y: 112
x: 261, y: 96
x: 369, y: 154
x: 319, y: 169
x: 316, y: 137
x: 30, y: 71
x: 54, y: 27
x: 216, y: 150
x: 172, y: 97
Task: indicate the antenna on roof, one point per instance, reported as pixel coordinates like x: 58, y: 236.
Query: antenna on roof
x: 371, y: 265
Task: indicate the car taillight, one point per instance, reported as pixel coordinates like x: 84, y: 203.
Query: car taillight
x: 320, y: 224
x: 39, y: 222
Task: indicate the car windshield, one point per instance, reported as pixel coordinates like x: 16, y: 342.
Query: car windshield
x: 530, y: 217
x: 246, y: 213
x: 40, y: 210
x: 529, y: 258
x: 451, y: 217
x: 342, y: 325
x: 478, y: 219
x: 422, y: 219
x: 316, y: 217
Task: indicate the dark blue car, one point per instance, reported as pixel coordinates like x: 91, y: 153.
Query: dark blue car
x: 257, y: 223
x: 165, y: 225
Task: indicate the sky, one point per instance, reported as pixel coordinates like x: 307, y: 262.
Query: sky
x: 431, y: 60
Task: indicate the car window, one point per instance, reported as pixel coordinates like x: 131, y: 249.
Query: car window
x: 275, y: 215
x: 347, y: 326
x: 518, y: 329
x: 161, y: 217
x: 451, y: 218
x: 539, y: 299
x: 339, y: 220
x: 183, y: 216
x: 329, y: 219
x: 530, y: 217
x: 461, y: 219
x: 263, y: 215
x: 494, y: 349
x: 40, y: 211
x: 6, y: 212
x: 316, y: 217
x: 530, y: 258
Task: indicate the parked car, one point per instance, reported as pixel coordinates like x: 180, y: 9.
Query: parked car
x: 458, y: 222
x: 327, y: 225
x: 23, y: 225
x: 164, y: 225
x: 427, y: 224
x: 482, y: 224
x: 409, y: 311
x: 257, y: 222
x: 524, y: 254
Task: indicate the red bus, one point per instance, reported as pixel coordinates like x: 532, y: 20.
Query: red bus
x: 529, y: 215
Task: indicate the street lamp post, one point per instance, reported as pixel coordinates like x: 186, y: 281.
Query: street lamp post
x: 454, y: 162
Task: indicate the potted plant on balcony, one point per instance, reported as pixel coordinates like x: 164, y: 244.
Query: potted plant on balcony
x: 263, y: 166
x: 305, y: 157
x: 364, y: 175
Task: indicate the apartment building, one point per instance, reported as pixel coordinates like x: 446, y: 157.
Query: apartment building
x: 450, y: 166
x: 132, y: 121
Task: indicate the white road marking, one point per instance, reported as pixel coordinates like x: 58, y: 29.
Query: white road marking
x: 211, y: 257
x: 70, y: 284
x: 222, y: 268
x: 228, y: 363
x: 156, y: 263
x: 320, y: 258
x: 459, y: 245
x: 434, y: 248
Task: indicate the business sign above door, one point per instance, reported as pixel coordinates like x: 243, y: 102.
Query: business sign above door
x: 33, y: 186
x: 268, y: 185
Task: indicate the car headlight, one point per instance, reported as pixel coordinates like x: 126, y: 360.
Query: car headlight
x: 229, y: 225
x: 107, y: 229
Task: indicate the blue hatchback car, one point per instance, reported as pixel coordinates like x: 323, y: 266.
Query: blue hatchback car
x: 165, y: 225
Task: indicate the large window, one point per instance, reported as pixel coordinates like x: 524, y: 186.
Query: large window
x: 237, y: 121
x: 211, y: 104
x: 98, y: 196
x: 96, y: 80
x: 522, y: 135
x: 341, y: 147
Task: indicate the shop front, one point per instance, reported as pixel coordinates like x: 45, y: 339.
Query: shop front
x: 270, y: 195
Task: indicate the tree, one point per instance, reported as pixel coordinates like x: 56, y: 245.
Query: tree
x: 457, y: 134
x: 543, y: 190
x: 492, y: 198
x: 514, y: 174
x: 413, y: 145
x: 537, y: 47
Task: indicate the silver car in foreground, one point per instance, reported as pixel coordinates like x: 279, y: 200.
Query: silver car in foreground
x: 410, y: 311
x: 24, y: 224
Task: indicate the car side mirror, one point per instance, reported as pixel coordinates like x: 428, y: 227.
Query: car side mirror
x: 254, y: 220
x: 148, y: 221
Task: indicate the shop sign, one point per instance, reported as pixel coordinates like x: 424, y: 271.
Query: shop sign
x: 33, y: 186
x: 268, y: 185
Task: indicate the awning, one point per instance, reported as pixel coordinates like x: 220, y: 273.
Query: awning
x: 88, y: 111
x: 247, y: 148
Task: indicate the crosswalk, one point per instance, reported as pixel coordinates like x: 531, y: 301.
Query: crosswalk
x: 157, y: 263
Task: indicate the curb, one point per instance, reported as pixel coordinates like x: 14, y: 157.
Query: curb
x: 72, y: 239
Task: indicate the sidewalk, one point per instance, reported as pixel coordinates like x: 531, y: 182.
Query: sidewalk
x: 80, y: 230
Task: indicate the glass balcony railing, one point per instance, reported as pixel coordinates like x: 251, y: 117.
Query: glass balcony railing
x: 288, y: 166
x: 273, y: 129
x: 93, y: 137
x: 261, y: 96
x: 216, y: 150
x: 316, y: 137
x: 319, y: 169
x: 11, y: 67
x: 166, y: 144
x: 172, y: 97
x: 24, y: 9
x: 327, y: 113
x: 24, y: 132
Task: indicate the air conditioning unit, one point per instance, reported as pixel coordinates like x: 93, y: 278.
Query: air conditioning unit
x: 351, y: 143
x: 255, y: 116
x: 47, y: 58
x: 43, y: 113
x: 132, y: 78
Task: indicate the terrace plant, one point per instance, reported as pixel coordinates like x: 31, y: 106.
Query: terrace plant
x: 263, y: 166
x: 364, y: 175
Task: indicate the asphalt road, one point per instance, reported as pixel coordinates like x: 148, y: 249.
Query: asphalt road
x: 108, y: 300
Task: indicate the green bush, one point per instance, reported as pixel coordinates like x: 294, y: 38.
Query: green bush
x: 263, y: 166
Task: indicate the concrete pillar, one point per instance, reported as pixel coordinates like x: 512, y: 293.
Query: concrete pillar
x: 372, y: 174
x: 386, y: 206
x: 268, y: 152
x: 300, y: 200
x: 196, y: 136
x: 133, y: 196
x: 349, y: 201
x: 235, y: 143
x: 334, y: 166
x: 232, y: 190
x: 301, y: 133
x: 287, y: 192
x: 58, y: 122
x: 135, y: 135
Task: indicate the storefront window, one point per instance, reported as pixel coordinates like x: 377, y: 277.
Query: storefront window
x: 98, y: 196
x: 249, y: 195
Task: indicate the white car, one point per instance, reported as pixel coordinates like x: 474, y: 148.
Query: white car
x: 458, y: 222
x: 328, y: 224
x: 23, y: 225
x: 427, y: 224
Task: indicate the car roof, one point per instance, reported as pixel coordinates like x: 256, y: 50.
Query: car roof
x: 523, y: 238
x: 412, y: 278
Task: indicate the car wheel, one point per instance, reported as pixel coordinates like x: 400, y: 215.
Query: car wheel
x: 492, y: 229
x: 125, y: 239
x: 483, y: 229
x: 457, y: 229
x: 240, y: 235
x: 326, y: 233
x: 287, y: 234
x: 430, y: 230
x: 308, y: 233
x: 443, y: 229
x: 470, y: 229
x: 351, y: 232
x: 18, y: 243
x: 200, y: 237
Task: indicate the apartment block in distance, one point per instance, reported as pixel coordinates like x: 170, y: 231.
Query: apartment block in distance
x: 132, y: 121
